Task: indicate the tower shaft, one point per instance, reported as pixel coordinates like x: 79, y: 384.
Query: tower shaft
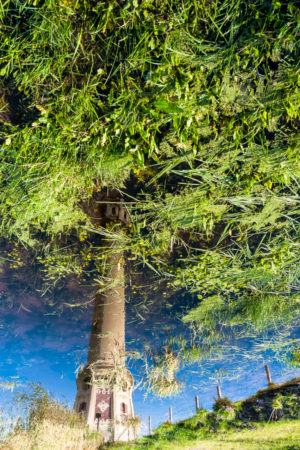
x: 104, y: 386
x: 107, y: 339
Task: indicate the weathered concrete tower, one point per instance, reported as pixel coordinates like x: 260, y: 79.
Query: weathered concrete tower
x: 104, y: 386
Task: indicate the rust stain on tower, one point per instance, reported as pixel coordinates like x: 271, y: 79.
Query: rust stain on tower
x: 104, y: 386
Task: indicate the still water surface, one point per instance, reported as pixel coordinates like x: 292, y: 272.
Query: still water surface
x: 42, y: 346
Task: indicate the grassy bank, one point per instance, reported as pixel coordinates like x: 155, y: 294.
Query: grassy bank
x: 51, y: 435
x: 265, y: 436
x: 268, y: 419
x: 284, y: 434
x: 44, y: 423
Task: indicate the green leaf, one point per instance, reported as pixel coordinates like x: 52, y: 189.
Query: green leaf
x: 167, y: 107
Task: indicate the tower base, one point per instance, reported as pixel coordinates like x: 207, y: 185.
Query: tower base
x: 106, y: 402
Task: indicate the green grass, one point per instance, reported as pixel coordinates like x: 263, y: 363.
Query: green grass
x: 235, y: 424
x: 273, y: 435
x: 285, y: 434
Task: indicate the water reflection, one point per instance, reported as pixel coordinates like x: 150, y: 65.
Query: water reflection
x: 163, y: 355
x: 47, y: 348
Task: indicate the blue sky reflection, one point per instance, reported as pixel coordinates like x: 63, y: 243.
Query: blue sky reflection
x: 38, y: 346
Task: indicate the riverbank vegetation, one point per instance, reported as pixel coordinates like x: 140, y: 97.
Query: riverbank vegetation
x: 268, y: 419
x: 190, y: 110
x: 46, y: 423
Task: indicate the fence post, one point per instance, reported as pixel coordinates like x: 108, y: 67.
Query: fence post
x: 170, y: 415
x: 150, y: 428
x: 219, y: 392
x: 268, y: 374
x: 197, y: 402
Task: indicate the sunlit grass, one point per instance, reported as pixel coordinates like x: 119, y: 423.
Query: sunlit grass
x: 227, y: 427
x: 46, y: 423
x: 48, y: 435
x: 270, y: 436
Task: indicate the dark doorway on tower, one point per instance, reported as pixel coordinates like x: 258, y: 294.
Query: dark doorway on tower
x: 98, y: 417
x: 123, y: 408
x: 82, y: 407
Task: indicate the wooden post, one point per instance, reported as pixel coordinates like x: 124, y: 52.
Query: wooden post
x: 268, y: 374
x: 219, y: 392
x: 170, y: 415
x: 150, y: 428
x: 197, y: 402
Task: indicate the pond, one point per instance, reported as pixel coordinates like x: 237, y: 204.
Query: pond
x: 41, y: 345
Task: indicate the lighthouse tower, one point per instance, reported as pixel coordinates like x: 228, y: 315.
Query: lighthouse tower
x: 104, y: 386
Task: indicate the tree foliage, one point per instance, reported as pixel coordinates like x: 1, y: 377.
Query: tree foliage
x: 190, y: 108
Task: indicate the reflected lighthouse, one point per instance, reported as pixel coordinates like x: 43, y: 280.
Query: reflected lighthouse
x: 104, y: 386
